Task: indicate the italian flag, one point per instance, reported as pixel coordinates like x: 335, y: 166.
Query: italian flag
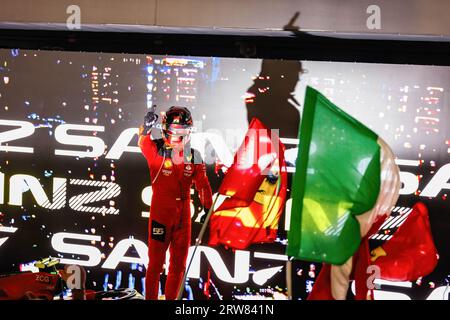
x: 345, y: 179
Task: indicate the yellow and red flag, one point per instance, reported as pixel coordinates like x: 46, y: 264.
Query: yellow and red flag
x: 411, y: 252
x: 256, y: 185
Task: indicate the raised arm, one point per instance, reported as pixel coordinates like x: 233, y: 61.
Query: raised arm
x: 145, y: 142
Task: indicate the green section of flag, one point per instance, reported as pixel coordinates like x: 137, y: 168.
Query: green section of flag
x: 337, y: 177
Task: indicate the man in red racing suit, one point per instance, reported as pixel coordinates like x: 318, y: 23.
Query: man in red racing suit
x: 173, y: 170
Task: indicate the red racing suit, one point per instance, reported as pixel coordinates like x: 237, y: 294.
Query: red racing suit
x: 172, y: 174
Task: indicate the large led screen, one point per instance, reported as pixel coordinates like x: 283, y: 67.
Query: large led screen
x: 74, y: 184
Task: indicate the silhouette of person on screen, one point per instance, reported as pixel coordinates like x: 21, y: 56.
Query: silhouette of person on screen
x: 271, y: 99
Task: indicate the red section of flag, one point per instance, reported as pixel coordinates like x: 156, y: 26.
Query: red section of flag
x: 256, y: 184
x: 361, y: 262
x: 251, y: 159
x: 322, y: 287
x: 410, y: 253
x: 360, y: 272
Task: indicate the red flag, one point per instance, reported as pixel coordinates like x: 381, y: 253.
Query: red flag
x: 410, y: 253
x: 253, y: 157
x: 256, y: 184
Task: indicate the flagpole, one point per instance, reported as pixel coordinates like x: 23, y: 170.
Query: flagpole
x: 197, y: 243
x: 289, y: 278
